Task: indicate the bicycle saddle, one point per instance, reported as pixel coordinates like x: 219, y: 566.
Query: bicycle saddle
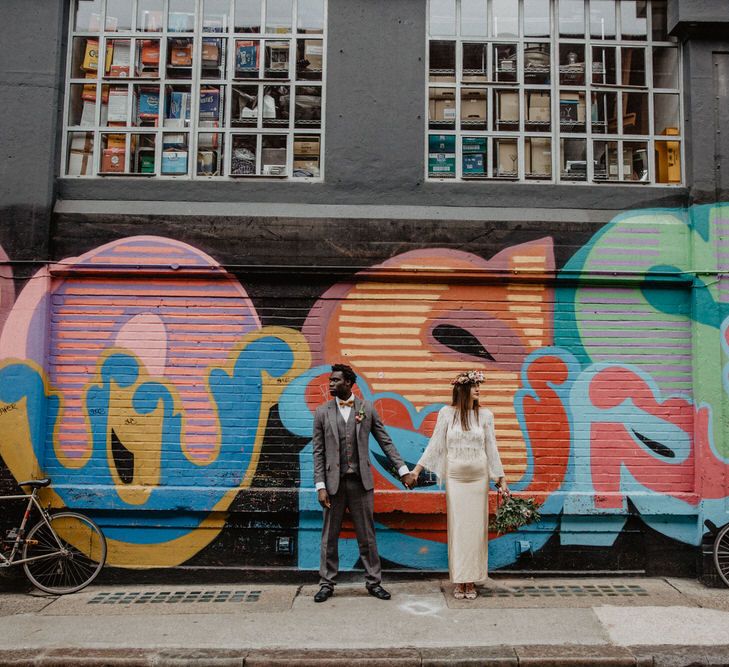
x: 36, y: 483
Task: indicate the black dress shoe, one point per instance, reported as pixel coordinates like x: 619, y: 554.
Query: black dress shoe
x: 323, y: 594
x: 378, y: 592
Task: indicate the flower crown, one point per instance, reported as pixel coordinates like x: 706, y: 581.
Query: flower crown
x: 469, y: 377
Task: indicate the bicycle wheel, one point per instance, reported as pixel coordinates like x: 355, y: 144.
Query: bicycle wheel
x: 721, y: 554
x: 73, y: 565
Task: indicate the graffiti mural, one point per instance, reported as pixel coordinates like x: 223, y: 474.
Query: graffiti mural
x: 142, y: 379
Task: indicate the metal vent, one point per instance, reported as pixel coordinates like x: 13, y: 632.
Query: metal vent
x: 580, y: 591
x: 173, y: 597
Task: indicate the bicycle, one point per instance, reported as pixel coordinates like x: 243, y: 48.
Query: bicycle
x: 62, y: 553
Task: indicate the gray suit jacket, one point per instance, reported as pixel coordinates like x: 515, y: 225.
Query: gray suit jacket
x: 326, y: 443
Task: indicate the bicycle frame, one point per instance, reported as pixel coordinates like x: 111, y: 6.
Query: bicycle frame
x: 7, y: 561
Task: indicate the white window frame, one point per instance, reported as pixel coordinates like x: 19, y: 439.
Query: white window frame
x: 226, y: 130
x: 555, y: 134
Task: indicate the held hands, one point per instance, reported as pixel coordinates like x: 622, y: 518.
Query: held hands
x: 323, y: 498
x: 409, y: 480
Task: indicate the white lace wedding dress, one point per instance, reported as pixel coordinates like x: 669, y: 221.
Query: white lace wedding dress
x: 465, y: 460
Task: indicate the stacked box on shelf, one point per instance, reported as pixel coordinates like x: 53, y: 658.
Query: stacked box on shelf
x: 442, y: 155
x: 474, y: 152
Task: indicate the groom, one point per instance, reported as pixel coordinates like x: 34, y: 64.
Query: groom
x: 343, y: 478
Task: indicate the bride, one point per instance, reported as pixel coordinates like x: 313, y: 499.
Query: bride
x: 462, y: 451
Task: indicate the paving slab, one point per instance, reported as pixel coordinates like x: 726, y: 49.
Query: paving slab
x: 683, y: 626
x: 576, y: 655
x: 527, y: 593
x: 173, y: 600
x: 702, y: 596
x: 460, y: 656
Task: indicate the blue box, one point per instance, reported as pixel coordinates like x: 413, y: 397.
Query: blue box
x: 246, y: 57
x: 179, y: 105
x: 209, y: 103
x: 174, y: 162
x: 149, y: 103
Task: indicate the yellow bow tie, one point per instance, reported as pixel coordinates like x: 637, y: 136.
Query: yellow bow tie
x: 346, y: 404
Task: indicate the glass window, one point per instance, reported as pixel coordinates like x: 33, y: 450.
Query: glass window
x: 197, y: 88
x: 442, y: 17
x: 573, y: 91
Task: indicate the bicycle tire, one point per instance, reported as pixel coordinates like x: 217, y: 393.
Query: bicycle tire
x: 721, y: 554
x: 60, y: 571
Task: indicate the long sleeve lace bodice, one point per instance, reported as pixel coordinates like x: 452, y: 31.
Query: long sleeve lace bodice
x: 450, y: 441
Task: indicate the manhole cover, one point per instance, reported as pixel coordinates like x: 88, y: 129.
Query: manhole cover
x: 173, y: 597
x: 576, y: 590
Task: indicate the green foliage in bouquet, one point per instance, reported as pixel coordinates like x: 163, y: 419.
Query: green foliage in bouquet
x: 513, y: 513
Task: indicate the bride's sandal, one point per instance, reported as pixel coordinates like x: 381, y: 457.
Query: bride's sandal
x: 471, y: 593
x: 458, y: 592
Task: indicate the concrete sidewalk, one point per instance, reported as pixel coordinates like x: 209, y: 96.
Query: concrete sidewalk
x: 575, y: 621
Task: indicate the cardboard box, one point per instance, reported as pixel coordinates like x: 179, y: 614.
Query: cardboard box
x: 442, y: 143
x: 444, y: 110
x: 148, y: 104
x: 181, y: 54
x: 145, y: 161
x: 179, y: 107
x: 120, y: 58
x: 277, y: 56
x: 571, y: 108
x: 273, y: 161
x: 311, y: 166
x: 306, y: 147
x: 539, y: 156
x: 118, y: 104
x: 210, y: 103
x: 149, y: 53
x: 210, y: 52
x: 82, y: 142
x: 508, y: 103
x: 442, y: 165
x: 207, y: 163
x: 473, y: 164
x: 116, y: 141
x: 112, y: 160
x: 539, y: 106
x: 473, y: 106
x: 506, y: 158
x: 174, y: 140
x: 174, y: 162
x: 208, y: 139
x: 247, y: 57
x: 91, y: 56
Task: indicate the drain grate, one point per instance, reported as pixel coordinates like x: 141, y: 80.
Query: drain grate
x: 173, y: 597
x: 579, y: 591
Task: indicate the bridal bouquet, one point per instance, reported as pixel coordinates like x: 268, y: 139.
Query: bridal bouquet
x: 513, y: 513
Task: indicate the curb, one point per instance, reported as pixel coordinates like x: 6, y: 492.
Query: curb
x: 603, y: 655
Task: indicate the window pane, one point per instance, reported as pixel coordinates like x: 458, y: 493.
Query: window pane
x: 506, y: 110
x: 118, y: 15
x: 602, y: 19
x: 277, y: 59
x: 572, y: 18
x: 311, y: 16
x: 181, y: 16
x: 179, y: 57
x: 668, y: 162
x: 143, y: 154
x: 573, y: 159
x: 216, y: 15
x: 505, y: 15
x: 635, y: 113
x: 506, y: 158
x: 603, y: 65
x: 80, y: 154
x: 273, y: 155
x: 113, y: 153
x: 247, y: 59
x: 276, y: 107
x: 604, y: 113
x: 442, y: 156
x: 442, y: 57
x: 244, y: 106
x: 666, y: 114
x: 309, y: 56
x: 307, y: 151
x: 505, y: 63
x: 572, y: 64
x: 212, y: 58
x: 474, y: 109
x: 88, y: 16
x: 659, y: 20
x: 475, y: 63
x: 308, y: 106
x: 633, y: 19
x: 635, y: 161
x: 473, y: 18
x: 536, y: 18
x: 278, y: 16
x: 175, y: 150
x: 442, y: 108
x: 442, y: 17
x: 572, y: 111
x: 147, y: 58
x: 605, y: 156
x: 243, y: 158
x: 538, y: 110
x: 150, y: 15
x: 536, y: 63
x: 177, y: 106
x: 665, y: 67
x: 633, y: 66
x: 210, y: 154
x: 247, y: 16
x: 474, y: 157
x: 212, y: 106
x: 538, y: 157
x: 146, y: 106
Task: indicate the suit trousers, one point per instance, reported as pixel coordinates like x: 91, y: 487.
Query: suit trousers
x: 361, y: 504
